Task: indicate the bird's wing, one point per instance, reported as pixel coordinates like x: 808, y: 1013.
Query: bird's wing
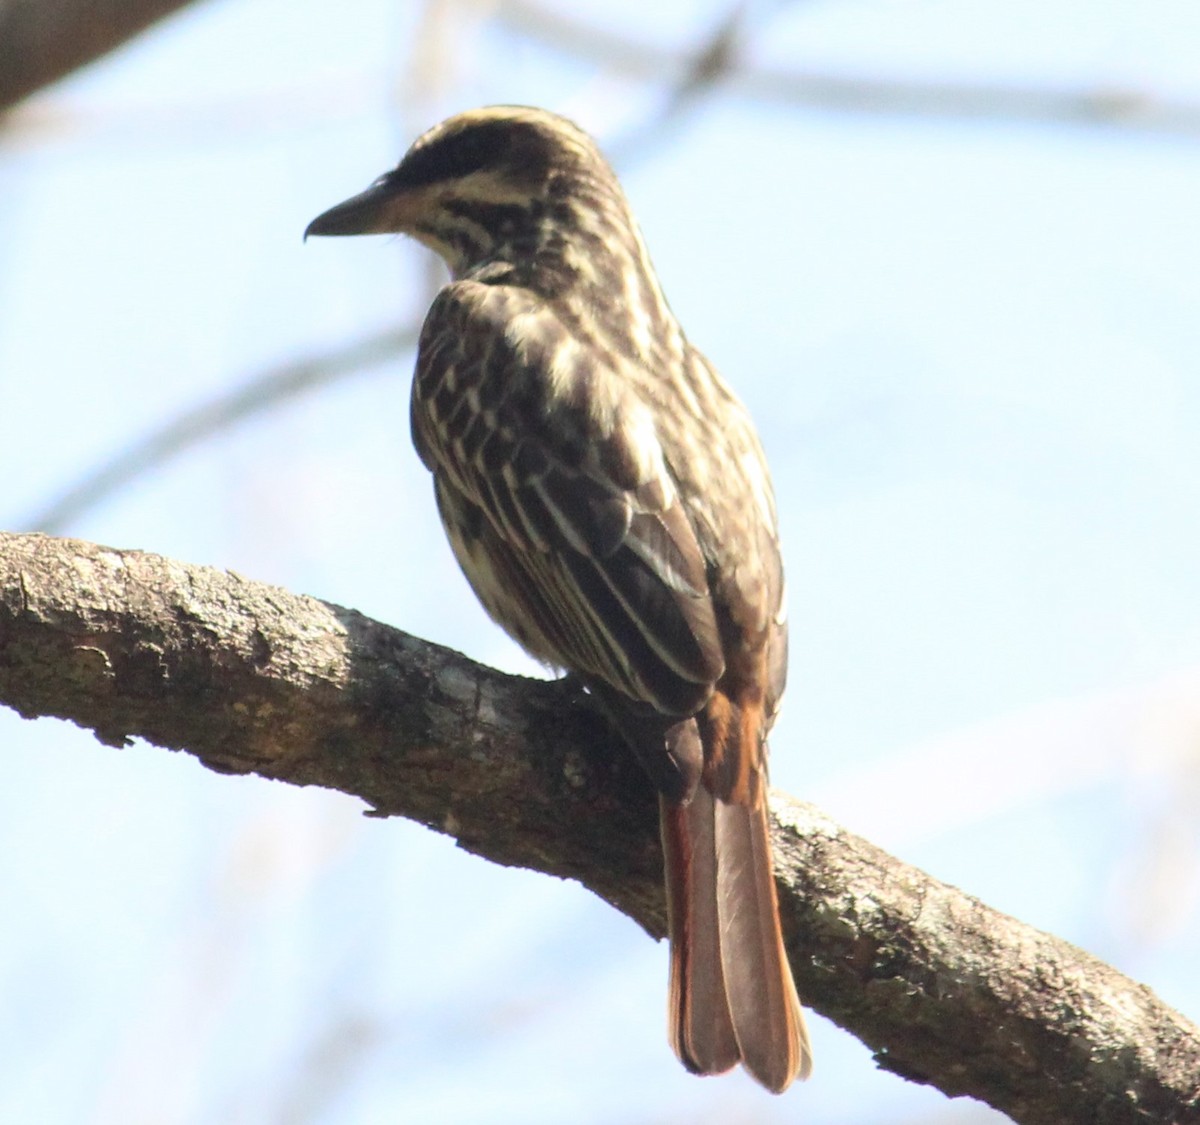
x: 559, y: 504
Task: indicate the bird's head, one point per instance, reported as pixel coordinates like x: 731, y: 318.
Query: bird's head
x: 491, y: 183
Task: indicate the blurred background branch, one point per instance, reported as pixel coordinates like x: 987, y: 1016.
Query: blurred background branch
x: 1117, y: 107
x: 257, y: 395
x: 42, y: 41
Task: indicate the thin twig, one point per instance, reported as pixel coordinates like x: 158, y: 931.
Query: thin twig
x: 1115, y: 107
x: 705, y: 70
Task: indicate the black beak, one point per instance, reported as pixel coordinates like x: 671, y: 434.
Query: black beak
x: 373, y: 211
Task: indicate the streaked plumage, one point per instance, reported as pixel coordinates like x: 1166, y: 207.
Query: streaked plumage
x: 608, y: 500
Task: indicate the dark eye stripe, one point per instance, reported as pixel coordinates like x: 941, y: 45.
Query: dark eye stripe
x: 498, y: 219
x: 455, y: 155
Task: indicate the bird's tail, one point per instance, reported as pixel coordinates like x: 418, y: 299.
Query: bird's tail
x: 732, y: 998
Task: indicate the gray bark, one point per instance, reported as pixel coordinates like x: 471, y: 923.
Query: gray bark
x: 249, y: 678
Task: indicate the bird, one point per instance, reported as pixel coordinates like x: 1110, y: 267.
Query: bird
x: 608, y: 500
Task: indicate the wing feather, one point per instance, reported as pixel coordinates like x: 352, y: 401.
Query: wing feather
x: 560, y: 506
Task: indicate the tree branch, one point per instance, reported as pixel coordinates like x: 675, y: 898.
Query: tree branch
x: 252, y: 679
x: 41, y: 41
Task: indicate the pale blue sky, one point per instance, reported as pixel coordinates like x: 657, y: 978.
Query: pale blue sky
x: 971, y: 348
